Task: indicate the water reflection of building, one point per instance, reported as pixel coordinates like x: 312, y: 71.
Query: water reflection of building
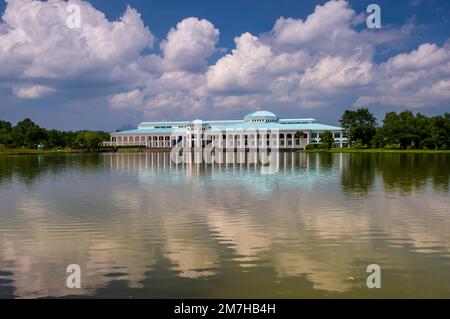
x: 235, y: 169
x: 200, y: 217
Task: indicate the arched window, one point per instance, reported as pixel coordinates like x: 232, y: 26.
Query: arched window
x: 125, y: 139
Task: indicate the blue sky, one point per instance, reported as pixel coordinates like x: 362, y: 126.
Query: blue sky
x: 219, y: 59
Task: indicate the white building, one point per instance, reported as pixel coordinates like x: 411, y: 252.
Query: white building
x: 260, y: 129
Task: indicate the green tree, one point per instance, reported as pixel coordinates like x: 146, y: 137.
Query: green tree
x: 439, y: 129
x: 326, y: 138
x: 5, y: 133
x: 91, y: 141
x: 299, y: 134
x: 377, y: 139
x: 56, y: 139
x: 406, y: 129
x: 360, y: 123
x: 27, y: 134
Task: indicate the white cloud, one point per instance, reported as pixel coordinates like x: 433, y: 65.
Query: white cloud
x: 190, y: 44
x: 36, y: 43
x: 328, y: 30
x: 419, y: 78
x: 32, y: 91
x: 329, y: 22
x: 319, y: 61
x: 425, y: 56
x: 242, y: 70
x: 127, y: 99
x: 332, y: 73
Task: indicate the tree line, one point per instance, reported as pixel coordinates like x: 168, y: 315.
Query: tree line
x: 404, y: 130
x: 27, y: 134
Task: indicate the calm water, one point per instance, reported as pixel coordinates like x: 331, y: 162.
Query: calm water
x: 140, y: 226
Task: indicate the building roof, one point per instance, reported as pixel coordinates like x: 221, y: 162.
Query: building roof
x: 277, y: 126
x: 173, y: 127
x: 153, y: 131
x: 260, y: 115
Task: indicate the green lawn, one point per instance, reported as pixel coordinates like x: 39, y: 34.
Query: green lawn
x: 31, y: 151
x: 129, y: 149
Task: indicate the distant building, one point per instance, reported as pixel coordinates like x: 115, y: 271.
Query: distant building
x: 257, y: 129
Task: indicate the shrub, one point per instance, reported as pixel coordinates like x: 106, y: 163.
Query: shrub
x: 323, y: 146
x: 311, y: 146
x: 359, y: 144
x: 393, y: 146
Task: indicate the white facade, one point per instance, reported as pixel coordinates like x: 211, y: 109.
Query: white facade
x: 259, y: 129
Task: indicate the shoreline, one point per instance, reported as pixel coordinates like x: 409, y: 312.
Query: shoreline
x: 27, y: 151
x: 377, y: 150
x: 140, y: 150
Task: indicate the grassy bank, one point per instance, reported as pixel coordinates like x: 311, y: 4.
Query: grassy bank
x: 375, y: 150
x: 130, y: 149
x: 31, y: 151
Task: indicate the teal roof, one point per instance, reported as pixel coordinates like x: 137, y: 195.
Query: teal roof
x: 260, y: 114
x: 243, y: 126
x: 154, y: 130
x: 278, y: 126
x: 297, y: 121
x: 299, y: 124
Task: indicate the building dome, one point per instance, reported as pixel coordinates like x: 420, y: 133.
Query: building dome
x: 261, y: 116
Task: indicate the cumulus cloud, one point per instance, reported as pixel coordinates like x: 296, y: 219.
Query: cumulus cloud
x: 190, y: 44
x: 329, y: 24
x: 242, y: 70
x: 127, y: 99
x: 32, y: 91
x: 425, y: 56
x: 419, y: 78
x: 329, y: 30
x: 252, y: 67
x: 321, y: 60
x: 37, y: 45
x: 332, y: 73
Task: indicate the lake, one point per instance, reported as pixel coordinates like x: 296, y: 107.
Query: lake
x: 139, y: 225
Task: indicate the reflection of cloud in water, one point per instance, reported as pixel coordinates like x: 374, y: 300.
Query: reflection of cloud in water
x: 191, y: 253
x: 323, y: 219
x: 327, y: 273
x: 335, y: 223
x: 247, y: 238
x: 422, y: 219
x: 191, y: 260
x: 299, y: 221
x: 39, y: 250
